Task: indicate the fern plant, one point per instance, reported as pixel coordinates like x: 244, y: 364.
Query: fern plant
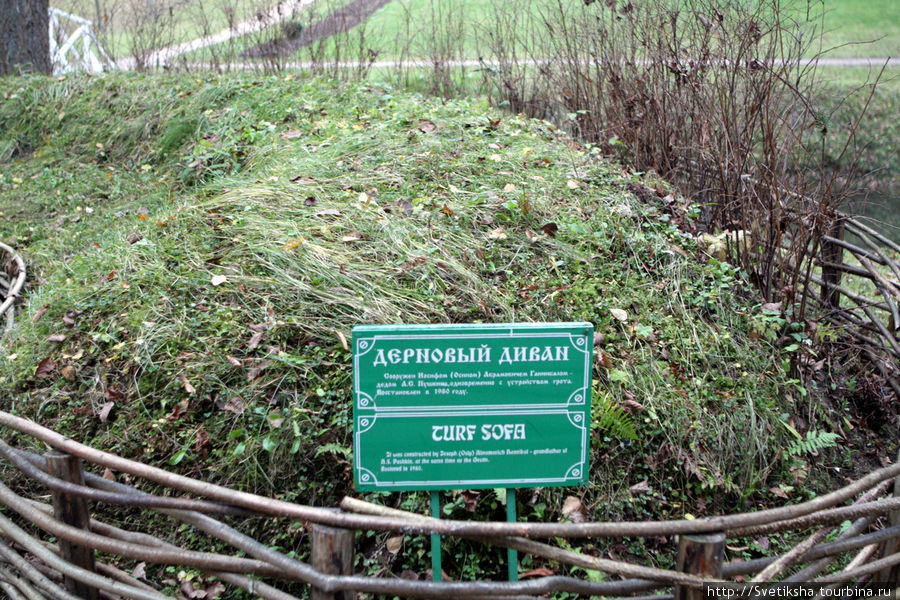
x: 609, y: 416
x: 814, y: 441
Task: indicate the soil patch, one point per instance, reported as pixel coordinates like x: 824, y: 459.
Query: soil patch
x: 340, y: 21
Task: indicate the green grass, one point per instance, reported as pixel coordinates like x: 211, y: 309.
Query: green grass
x: 324, y: 205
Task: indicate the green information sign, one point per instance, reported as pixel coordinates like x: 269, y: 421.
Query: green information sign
x: 471, y: 406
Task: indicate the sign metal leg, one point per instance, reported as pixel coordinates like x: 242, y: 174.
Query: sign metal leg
x: 435, y: 539
x: 512, y: 556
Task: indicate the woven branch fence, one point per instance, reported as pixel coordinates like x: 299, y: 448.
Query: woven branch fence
x: 37, y: 570
x: 12, y: 278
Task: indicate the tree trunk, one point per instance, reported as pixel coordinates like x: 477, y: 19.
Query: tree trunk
x: 24, y: 36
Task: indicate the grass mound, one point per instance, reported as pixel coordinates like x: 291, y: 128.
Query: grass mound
x: 200, y: 248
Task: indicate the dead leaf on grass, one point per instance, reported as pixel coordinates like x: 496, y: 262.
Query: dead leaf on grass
x: 292, y: 134
x: 37, y: 315
x: 619, y: 314
x: 234, y: 362
x: 190, y: 389
x: 498, y: 234
x: 426, y: 126
x: 353, y: 236
x: 108, y: 474
x: 394, y: 543
x: 258, y: 368
x: 234, y: 405
x: 573, y: 509
x: 572, y: 184
x: 342, y: 339
x: 103, y: 415
x: 68, y: 372
x: 255, y: 339
x: 639, y: 488
x: 509, y: 187
x: 550, y: 229
x: 140, y: 571
x: 330, y: 212
x: 45, y: 368
x: 134, y: 237
x: 218, y: 280
x: 56, y: 337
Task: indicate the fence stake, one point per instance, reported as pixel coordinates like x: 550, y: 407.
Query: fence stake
x: 699, y: 555
x: 73, y: 511
x: 512, y: 555
x: 332, y: 554
x: 892, y: 574
x: 435, y: 539
x: 832, y: 253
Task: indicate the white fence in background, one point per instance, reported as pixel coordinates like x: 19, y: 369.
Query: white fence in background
x: 73, y: 45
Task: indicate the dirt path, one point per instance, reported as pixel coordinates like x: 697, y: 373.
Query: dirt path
x: 163, y: 56
x: 339, y: 21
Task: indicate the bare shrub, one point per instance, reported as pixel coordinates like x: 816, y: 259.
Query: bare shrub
x: 716, y: 96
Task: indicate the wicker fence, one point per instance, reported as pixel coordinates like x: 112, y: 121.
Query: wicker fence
x: 34, y: 569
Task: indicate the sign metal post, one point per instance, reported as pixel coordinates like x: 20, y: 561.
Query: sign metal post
x: 512, y: 555
x: 436, y: 538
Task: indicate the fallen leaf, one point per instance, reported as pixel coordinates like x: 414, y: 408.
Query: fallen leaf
x: 639, y: 488
x: 509, y: 187
x: 394, y: 543
x: 778, y: 492
x: 293, y: 244
x: 217, y: 588
x: 140, y: 571
x: 763, y: 542
x: 113, y: 395
x: 364, y: 197
x: 274, y: 420
x: 353, y: 236
x: 772, y: 307
x: 495, y: 157
x: 291, y: 134
x: 56, y: 337
x: 134, y: 237
x: 232, y: 360
x: 103, y: 415
x: 471, y: 498
x: 497, y: 234
x: 342, y: 339
x: 531, y: 237
x: 258, y: 368
x: 38, y: 314
x: 619, y: 314
x: 108, y: 474
x: 187, y: 384
x: 218, y: 280
x: 426, y: 126
x: 301, y: 180
x: 68, y: 372
x: 493, y: 146
x: 632, y: 406
x: 234, y: 405
x: 550, y: 229
x: 410, y: 575
x: 309, y: 201
x: 572, y: 184
x: 539, y: 572
x: 255, y: 339
x: 331, y: 212
x: 45, y: 368
x: 573, y: 509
